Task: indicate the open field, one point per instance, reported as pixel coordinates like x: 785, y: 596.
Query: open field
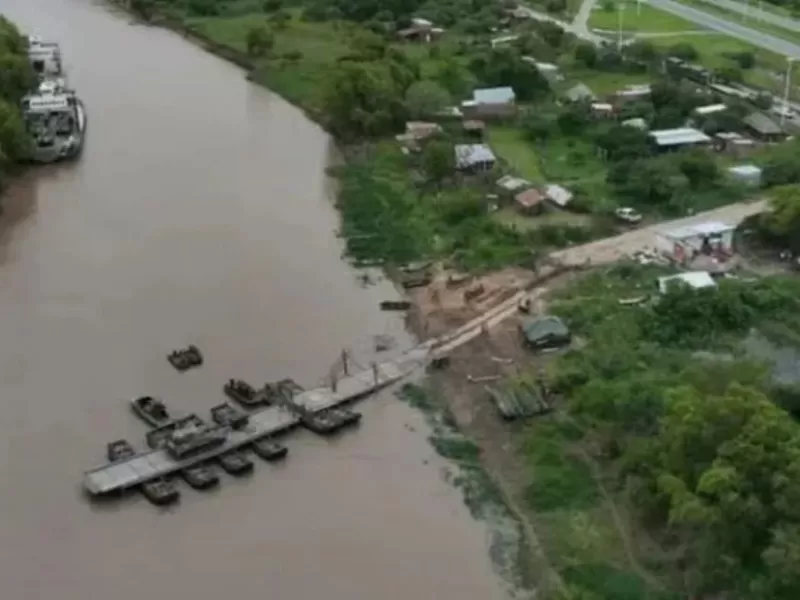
x: 639, y: 18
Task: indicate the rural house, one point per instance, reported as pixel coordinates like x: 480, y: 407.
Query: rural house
x: 684, y: 244
x: 486, y: 103
x: 763, y: 128
x: 580, y: 93
x: 558, y: 195
x: 474, y: 158
x: 665, y: 140
x: 530, y: 202
x: 421, y: 30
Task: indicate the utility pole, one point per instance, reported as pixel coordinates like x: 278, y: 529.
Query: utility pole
x: 785, y: 110
x: 344, y: 362
x: 621, y: 8
x: 638, y: 8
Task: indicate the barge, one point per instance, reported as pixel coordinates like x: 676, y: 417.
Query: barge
x: 269, y: 450
x: 162, y: 461
x: 235, y: 463
x: 158, y: 491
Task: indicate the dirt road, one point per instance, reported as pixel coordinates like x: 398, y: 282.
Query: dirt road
x: 611, y: 249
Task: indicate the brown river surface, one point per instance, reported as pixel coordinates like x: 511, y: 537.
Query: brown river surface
x: 199, y: 213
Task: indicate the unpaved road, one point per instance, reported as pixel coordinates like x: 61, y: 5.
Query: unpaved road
x: 614, y: 248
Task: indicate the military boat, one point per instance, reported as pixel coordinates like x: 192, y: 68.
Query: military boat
x: 269, y: 450
x: 55, y: 119
x: 151, y: 410
x: 235, y: 463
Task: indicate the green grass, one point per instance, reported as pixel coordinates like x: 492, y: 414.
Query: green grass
x: 320, y: 44
x: 510, y: 145
x: 643, y: 19
x: 510, y: 217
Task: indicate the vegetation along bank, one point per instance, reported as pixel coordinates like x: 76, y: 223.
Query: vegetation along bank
x: 16, y: 79
x: 665, y: 466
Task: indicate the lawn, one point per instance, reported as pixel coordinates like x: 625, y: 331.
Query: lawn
x: 640, y: 18
x: 510, y: 145
x: 319, y: 45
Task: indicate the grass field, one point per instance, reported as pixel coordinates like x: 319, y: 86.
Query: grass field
x: 640, y: 19
x: 520, y: 154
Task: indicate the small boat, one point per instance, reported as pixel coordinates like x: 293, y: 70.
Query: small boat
x: 287, y: 387
x: 191, y: 439
x: 269, y: 450
x: 322, y: 423
x: 185, y: 359
x: 242, y: 392
x: 235, y: 463
x: 200, y: 476
x: 119, y: 450
x: 151, y: 410
x: 346, y: 416
x: 158, y: 491
x: 225, y: 414
x: 395, y: 305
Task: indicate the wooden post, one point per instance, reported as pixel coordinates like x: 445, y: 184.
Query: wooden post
x: 334, y: 381
x: 344, y: 362
x: 375, y: 372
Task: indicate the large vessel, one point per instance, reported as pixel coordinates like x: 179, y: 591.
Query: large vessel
x: 56, y: 120
x: 45, y: 57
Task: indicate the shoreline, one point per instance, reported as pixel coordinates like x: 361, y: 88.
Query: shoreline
x: 529, y: 573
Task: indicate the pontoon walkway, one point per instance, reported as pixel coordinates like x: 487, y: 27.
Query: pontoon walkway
x: 150, y: 465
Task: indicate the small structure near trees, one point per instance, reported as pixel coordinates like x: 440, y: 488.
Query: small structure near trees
x: 763, y: 128
x: 474, y: 157
x: 685, y: 244
x: 499, y: 102
x: 545, y: 333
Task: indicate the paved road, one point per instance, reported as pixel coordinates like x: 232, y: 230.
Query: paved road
x: 757, y: 14
x: 620, y: 246
x: 574, y: 28
x: 736, y: 30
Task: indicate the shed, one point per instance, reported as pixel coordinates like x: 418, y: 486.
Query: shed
x: 684, y: 244
x: 498, y: 95
x: 634, y: 92
x: 710, y: 109
x: 530, y: 201
x: 504, y: 39
x: 474, y: 127
x: 558, y: 195
x: 490, y: 102
x: 682, y: 137
x: 545, y: 332
x: 637, y: 122
x: 550, y: 71
x: 421, y: 129
x: 761, y: 126
x: 512, y: 184
x: 749, y: 175
x: 733, y: 143
x: 694, y: 279
x: 602, y: 109
x: 474, y: 157
x: 580, y: 93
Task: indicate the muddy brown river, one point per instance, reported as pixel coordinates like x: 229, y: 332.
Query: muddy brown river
x: 199, y: 213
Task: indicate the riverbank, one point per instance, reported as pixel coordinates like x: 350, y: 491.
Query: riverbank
x: 18, y: 79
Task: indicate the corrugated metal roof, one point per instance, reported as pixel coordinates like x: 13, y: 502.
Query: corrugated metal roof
x: 468, y: 155
x: 700, y: 229
x: 498, y: 95
x: 745, y: 170
x: 557, y: 194
x: 694, y: 279
x: 529, y: 198
x: 762, y: 123
x: 710, y: 109
x: 677, y: 137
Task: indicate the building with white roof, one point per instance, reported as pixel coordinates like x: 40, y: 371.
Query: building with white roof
x: 684, y: 244
x: 682, y: 137
x: 694, y: 279
x: 490, y: 102
x: 749, y: 175
x: 474, y: 157
x: 710, y: 109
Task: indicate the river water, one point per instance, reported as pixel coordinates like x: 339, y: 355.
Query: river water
x: 199, y: 213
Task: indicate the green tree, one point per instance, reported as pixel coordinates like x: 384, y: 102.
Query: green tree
x: 745, y: 60
x: 455, y: 78
x: 684, y: 51
x: 438, y: 160
x: 271, y: 5
x: 362, y: 98
x: 143, y: 8
x: 537, y: 128
x: 621, y: 142
x: 426, y: 98
x: 14, y: 140
x: 504, y: 67
x: 259, y: 41
x: 782, y: 166
x: 699, y: 167
x: 783, y: 220
x: 586, y: 53
x: 369, y: 46
x: 280, y: 18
